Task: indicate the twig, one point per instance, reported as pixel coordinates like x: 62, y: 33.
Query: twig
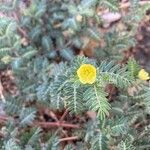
x: 46, y: 124
x: 4, y: 118
x: 68, y: 139
x: 57, y: 124
x: 126, y: 5
x: 22, y: 32
x: 1, y: 135
x: 15, y: 16
x: 1, y: 92
x: 19, y: 28
x: 2, y: 121
x: 52, y: 115
x: 64, y: 115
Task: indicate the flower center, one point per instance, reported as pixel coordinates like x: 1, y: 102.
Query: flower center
x: 86, y: 72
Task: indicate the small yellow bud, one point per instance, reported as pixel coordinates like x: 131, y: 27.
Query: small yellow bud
x: 143, y: 75
x: 87, y: 74
x: 79, y: 18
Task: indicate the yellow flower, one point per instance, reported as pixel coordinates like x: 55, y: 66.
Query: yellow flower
x: 87, y: 74
x: 143, y: 75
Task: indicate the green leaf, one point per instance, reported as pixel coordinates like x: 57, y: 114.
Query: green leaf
x: 11, y: 145
x: 133, y: 67
x: 30, y: 54
x: 27, y: 116
x: 119, y: 127
x: 88, y: 3
x: 99, y: 142
x: 93, y: 33
x: 67, y: 54
x: 41, y: 9
x: 46, y: 43
x: 111, y: 4
x: 115, y: 74
x: 96, y: 100
x: 74, y: 98
x: 34, y: 137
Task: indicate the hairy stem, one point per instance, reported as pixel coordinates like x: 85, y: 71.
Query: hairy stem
x: 68, y: 139
x: 56, y: 124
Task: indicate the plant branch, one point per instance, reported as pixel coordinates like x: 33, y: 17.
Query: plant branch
x: 68, y: 139
x: 64, y: 115
x: 4, y: 119
x: 57, y: 124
